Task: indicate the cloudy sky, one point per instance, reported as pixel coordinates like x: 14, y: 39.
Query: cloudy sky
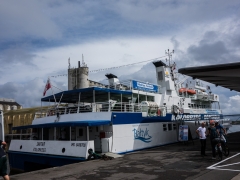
x: 38, y: 37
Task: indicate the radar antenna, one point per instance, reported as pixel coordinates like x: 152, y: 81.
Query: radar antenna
x: 83, y: 63
x: 69, y: 65
x: 169, y: 54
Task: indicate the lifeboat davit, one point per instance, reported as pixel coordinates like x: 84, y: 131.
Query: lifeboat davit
x: 191, y: 91
x: 182, y: 90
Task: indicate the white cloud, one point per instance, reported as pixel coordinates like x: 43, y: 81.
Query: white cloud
x: 102, y: 54
x: 38, y: 37
x: 26, y: 19
x: 231, y: 104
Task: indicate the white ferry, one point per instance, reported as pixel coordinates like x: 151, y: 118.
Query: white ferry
x: 121, y: 117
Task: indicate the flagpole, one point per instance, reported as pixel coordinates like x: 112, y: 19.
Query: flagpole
x: 53, y: 93
x: 61, y: 95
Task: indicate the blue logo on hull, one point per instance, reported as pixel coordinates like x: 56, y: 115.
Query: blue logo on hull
x: 142, y: 135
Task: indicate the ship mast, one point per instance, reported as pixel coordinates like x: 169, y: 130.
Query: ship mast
x: 169, y: 54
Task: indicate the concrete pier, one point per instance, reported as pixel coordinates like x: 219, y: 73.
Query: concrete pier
x: 177, y: 161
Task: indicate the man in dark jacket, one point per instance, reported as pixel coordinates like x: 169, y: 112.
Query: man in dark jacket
x: 213, y: 133
x: 3, y: 161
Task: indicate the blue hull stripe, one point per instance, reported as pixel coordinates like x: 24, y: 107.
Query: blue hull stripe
x: 64, y: 124
x: 22, y: 161
x: 136, y: 118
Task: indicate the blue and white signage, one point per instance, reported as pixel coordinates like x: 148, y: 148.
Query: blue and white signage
x: 144, y: 86
x: 194, y: 117
x: 183, y: 133
x: 142, y: 135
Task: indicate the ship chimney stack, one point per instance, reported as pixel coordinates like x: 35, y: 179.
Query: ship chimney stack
x: 163, y: 74
x: 112, y: 80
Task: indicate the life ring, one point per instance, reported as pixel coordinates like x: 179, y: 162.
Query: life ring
x: 159, y: 112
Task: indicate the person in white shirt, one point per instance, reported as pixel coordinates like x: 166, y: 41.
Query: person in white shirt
x: 201, y: 132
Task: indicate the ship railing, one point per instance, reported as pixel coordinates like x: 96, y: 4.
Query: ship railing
x: 115, y: 107
x: 111, y: 106
x: 203, y: 97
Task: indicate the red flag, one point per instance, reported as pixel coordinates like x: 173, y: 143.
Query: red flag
x: 48, y: 86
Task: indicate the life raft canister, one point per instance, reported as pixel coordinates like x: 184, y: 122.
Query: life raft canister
x: 182, y: 90
x: 191, y: 91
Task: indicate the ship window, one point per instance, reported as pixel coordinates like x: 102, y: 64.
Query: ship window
x: 10, y: 128
x: 51, y: 134
x: 169, y: 127
x: 150, y: 98
x: 142, y: 98
x: 160, y: 76
x: 164, y: 127
x: 73, y: 133
x: 63, y: 133
x: 45, y: 133
x: 39, y: 135
x: 24, y: 131
x: 90, y: 129
x: 80, y: 132
x: 174, y: 127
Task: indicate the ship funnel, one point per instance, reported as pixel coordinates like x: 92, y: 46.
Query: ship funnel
x: 113, y: 80
x: 159, y: 64
x: 164, y: 75
x: 160, y: 72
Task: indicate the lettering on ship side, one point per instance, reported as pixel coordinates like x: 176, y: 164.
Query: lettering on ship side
x: 40, y: 149
x: 195, y: 117
x: 142, y: 135
x: 78, y: 144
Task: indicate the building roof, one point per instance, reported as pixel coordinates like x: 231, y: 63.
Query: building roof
x: 26, y: 110
x: 225, y: 75
x: 9, y: 103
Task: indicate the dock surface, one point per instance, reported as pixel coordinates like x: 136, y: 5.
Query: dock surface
x: 177, y: 161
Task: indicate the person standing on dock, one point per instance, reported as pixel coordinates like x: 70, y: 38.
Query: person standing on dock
x: 222, y: 131
x: 3, y: 161
x: 201, y: 132
x: 213, y: 133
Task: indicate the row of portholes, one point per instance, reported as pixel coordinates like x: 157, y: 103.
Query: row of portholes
x: 169, y: 127
x: 63, y: 149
